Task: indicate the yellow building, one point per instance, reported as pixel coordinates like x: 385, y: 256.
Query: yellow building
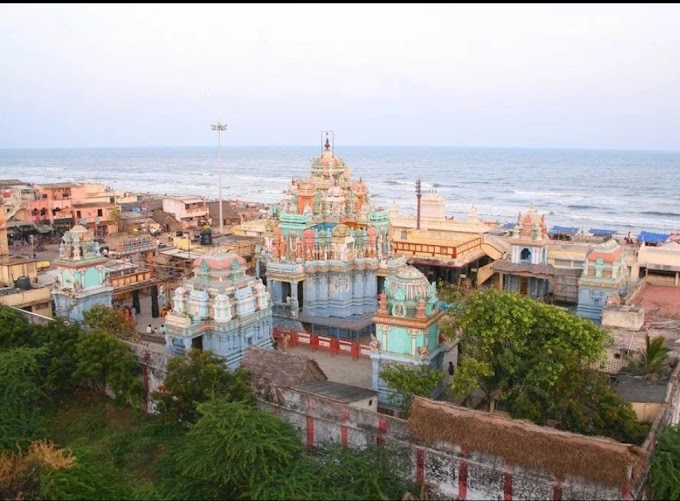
x: 256, y: 228
x: 443, y: 248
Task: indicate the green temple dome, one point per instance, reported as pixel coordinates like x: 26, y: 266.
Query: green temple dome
x: 409, y: 284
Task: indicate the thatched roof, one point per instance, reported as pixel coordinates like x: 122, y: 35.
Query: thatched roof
x: 280, y: 369
x: 526, y: 444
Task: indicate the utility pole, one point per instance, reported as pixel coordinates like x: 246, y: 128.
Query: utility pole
x: 418, y: 195
x: 219, y: 127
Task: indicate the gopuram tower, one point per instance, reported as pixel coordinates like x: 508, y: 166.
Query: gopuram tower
x: 327, y: 251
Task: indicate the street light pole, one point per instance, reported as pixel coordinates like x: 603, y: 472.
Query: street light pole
x: 219, y: 127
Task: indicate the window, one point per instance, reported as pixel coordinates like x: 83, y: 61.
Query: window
x: 100, y: 212
x: 525, y: 255
x: 403, y: 235
x: 78, y: 214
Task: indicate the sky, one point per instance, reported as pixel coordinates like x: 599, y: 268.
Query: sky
x: 463, y: 75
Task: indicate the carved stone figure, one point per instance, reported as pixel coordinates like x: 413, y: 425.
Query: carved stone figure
x: 420, y: 313
x: 382, y: 303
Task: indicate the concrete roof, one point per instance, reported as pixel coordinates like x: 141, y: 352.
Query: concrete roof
x: 188, y: 199
x: 58, y: 185
x: 338, y: 392
x: 506, y: 266
x: 637, y: 389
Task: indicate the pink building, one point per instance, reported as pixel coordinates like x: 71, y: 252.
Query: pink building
x: 189, y: 211
x: 62, y: 205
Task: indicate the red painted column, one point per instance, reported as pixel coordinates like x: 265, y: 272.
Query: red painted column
x: 463, y: 475
x: 507, y: 482
x: 557, y: 489
x: 310, y: 424
x: 145, y: 368
x: 344, y: 432
x: 420, y: 466
x: 383, y: 425
x: 625, y: 491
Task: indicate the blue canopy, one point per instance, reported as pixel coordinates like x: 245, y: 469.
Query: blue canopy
x: 509, y: 226
x: 563, y: 230
x: 601, y: 233
x: 652, y: 238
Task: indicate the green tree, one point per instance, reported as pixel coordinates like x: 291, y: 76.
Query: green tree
x: 85, y: 479
x: 231, y: 448
x: 652, y: 362
x: 15, y: 331
x: 105, y: 361
x: 109, y: 320
x: 337, y: 472
x: 663, y: 480
x: 409, y: 381
x: 60, y: 361
x: 20, y: 397
x: 197, y: 377
x: 537, y: 358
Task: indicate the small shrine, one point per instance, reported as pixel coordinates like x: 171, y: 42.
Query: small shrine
x: 81, y: 277
x: 604, y: 279
x: 407, y: 330
x: 220, y: 309
x: 530, y: 243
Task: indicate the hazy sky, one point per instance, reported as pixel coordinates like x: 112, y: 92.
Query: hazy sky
x: 571, y: 75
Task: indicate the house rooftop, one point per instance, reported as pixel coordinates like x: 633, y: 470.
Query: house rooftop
x: 338, y: 392
x: 4, y: 183
x: 188, y: 199
x: 281, y: 369
x: 637, y: 389
x: 89, y: 205
x: 58, y: 185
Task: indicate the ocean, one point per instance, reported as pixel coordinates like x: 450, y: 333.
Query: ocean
x: 620, y: 190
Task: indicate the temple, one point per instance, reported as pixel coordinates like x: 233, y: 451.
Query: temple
x: 407, y: 329
x: 81, y: 276
x: 327, y: 251
x: 220, y: 309
x: 605, y: 274
x: 527, y: 271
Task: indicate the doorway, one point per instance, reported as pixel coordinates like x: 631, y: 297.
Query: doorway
x: 523, y: 285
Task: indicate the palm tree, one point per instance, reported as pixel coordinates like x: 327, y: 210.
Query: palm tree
x: 652, y: 362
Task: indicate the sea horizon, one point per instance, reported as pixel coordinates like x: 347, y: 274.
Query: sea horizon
x: 404, y: 146
x: 625, y: 190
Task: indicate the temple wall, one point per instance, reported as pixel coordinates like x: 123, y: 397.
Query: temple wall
x: 340, y: 294
x: 67, y: 307
x: 451, y: 471
x: 591, y: 302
